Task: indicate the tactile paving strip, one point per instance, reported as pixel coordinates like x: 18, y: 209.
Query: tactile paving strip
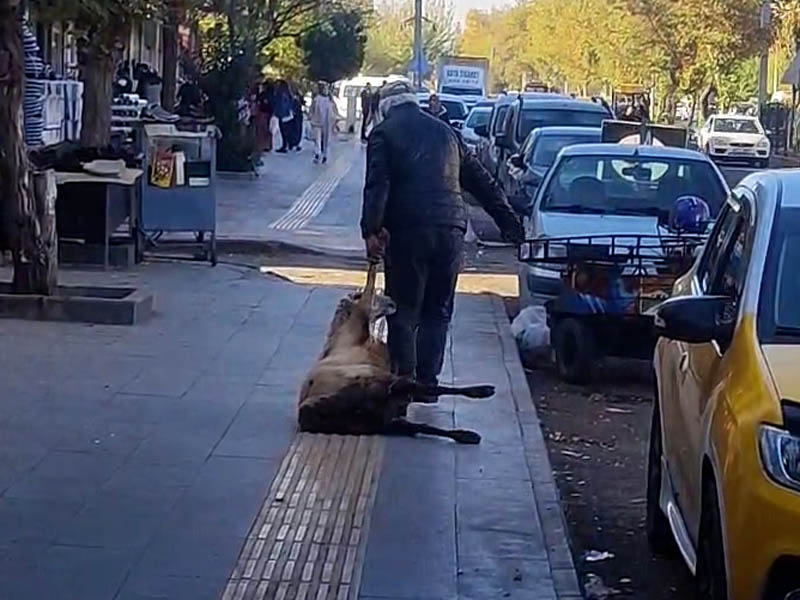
x: 308, y: 540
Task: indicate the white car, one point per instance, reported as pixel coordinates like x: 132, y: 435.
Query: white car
x: 735, y: 138
x: 477, y: 116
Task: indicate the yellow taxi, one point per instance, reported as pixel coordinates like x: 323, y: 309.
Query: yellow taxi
x: 723, y: 483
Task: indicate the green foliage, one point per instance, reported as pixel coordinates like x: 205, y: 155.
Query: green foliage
x: 390, y: 37
x: 681, y: 46
x: 334, y: 49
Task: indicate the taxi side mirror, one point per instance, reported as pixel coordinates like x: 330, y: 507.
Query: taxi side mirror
x: 695, y: 319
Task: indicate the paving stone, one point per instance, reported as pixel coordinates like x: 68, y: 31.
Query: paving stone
x: 413, y: 533
x: 483, y: 544
x: 503, y: 505
x: 163, y: 587
x: 506, y: 578
x: 103, y: 436
x: 31, y: 520
x: 107, y: 526
x: 177, y: 443
x: 491, y: 462
x: 66, y: 475
x: 162, y: 380
x: 246, y: 437
x: 194, y: 552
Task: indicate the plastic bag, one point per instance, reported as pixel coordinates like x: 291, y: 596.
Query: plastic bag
x: 530, y: 329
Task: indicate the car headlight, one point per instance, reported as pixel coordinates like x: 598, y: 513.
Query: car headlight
x: 719, y: 141
x: 764, y: 143
x: 780, y: 455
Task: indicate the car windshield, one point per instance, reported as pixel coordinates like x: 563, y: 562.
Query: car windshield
x: 545, y: 150
x: 735, y: 126
x: 455, y: 110
x: 478, y: 117
x: 460, y: 91
x: 630, y: 185
x: 533, y: 118
x: 779, y: 311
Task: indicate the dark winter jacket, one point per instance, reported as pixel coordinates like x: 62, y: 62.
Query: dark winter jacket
x: 417, y: 168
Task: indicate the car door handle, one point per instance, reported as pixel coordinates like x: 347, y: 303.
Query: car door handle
x: 683, y: 363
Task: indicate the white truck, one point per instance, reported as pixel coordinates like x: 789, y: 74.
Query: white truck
x: 464, y: 76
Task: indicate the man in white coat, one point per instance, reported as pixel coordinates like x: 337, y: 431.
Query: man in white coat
x: 323, y: 119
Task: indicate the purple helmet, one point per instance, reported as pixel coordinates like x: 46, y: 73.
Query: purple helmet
x: 690, y: 214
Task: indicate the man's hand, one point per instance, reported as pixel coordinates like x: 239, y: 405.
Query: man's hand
x: 376, y: 244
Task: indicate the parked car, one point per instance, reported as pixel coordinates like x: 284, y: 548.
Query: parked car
x: 477, y: 116
x: 595, y: 189
x: 456, y: 108
x: 735, y: 138
x: 538, y: 153
x: 723, y: 478
x: 528, y: 114
x: 487, y: 150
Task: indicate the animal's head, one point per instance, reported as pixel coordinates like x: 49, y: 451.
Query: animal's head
x: 352, y: 307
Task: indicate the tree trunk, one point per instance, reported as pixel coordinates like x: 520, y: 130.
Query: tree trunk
x: 705, y: 101
x: 169, y: 89
x: 21, y: 230
x: 97, y: 73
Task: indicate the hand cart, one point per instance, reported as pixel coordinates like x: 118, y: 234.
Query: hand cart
x: 184, y: 200
x: 608, y: 283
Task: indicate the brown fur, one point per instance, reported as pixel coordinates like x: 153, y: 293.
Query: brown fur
x: 352, y: 390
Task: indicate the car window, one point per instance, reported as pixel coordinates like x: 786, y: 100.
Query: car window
x: 500, y: 120
x: 728, y: 278
x: 533, y: 118
x: 734, y: 125
x: 478, y: 117
x: 779, y: 309
x: 455, y: 110
x: 544, y: 152
x: 717, y: 241
x: 630, y: 185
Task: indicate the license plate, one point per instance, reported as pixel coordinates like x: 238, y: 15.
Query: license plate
x: 740, y: 152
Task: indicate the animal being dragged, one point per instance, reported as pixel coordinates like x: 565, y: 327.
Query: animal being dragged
x: 352, y: 390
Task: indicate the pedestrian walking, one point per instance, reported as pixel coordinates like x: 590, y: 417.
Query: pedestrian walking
x: 323, y: 119
x: 366, y: 108
x: 414, y: 216
x: 437, y: 109
x: 282, y: 108
x: 295, y: 142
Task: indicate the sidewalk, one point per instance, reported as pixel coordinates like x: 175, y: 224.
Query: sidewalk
x: 162, y: 461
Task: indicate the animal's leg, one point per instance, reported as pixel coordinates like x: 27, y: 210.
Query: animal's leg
x: 409, y: 429
x: 416, y: 388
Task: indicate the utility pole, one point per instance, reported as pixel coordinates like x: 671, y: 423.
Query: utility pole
x: 763, y: 68
x: 418, y: 53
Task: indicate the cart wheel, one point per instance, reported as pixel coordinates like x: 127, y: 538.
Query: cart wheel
x: 575, y: 351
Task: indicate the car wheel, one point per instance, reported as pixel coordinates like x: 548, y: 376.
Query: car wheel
x: 575, y: 350
x: 659, y: 533
x: 712, y: 583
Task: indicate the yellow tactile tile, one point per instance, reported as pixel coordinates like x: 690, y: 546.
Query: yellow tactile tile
x: 307, y: 542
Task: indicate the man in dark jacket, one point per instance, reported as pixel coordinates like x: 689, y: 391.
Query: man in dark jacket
x: 366, y: 107
x: 437, y: 109
x: 415, y: 218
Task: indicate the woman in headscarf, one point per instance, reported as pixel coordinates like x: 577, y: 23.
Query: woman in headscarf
x: 323, y: 119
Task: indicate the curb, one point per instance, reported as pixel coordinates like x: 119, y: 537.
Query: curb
x: 548, y: 503
x: 237, y: 175
x: 257, y: 246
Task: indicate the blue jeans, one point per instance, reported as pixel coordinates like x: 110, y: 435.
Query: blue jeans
x: 422, y: 267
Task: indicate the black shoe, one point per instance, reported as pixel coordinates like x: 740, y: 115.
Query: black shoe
x: 426, y: 399
x: 324, y: 159
x: 282, y: 151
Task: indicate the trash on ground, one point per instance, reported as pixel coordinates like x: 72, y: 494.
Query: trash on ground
x: 530, y: 329
x: 625, y: 580
x: 597, y: 590
x: 571, y: 453
x: 597, y: 555
x: 517, y: 575
x: 621, y: 411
